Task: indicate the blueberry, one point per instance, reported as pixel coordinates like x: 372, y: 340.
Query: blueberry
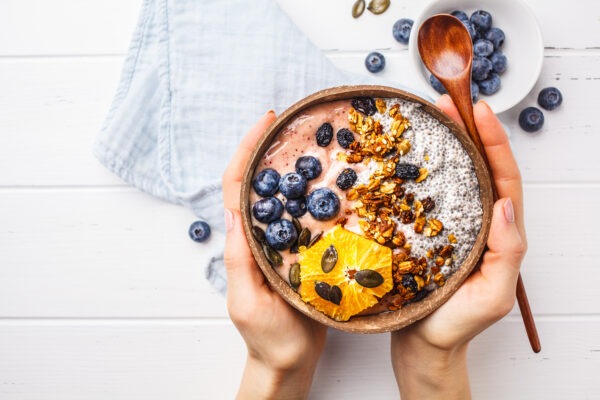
x: 345, y: 137
x: 267, y: 209
x: 409, y: 282
x: 496, y: 36
x: 474, y: 91
x: 266, y: 182
x: 292, y: 185
x: 483, y: 48
x: 199, y: 231
x: 550, y: 98
x: 470, y: 28
x: 324, y: 134
x: 309, y: 167
x: 323, y: 204
x: 460, y: 15
x: 365, y: 105
x: 489, y: 86
x: 296, y: 207
x: 346, y: 179
x: 401, y: 30
x: 407, y: 171
x: 481, y: 20
x: 481, y: 68
x: 437, y: 85
x: 531, y: 119
x: 281, y: 234
x: 375, y: 62
x: 499, y: 62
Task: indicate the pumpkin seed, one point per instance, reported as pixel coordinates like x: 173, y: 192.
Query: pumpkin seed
x: 329, y: 259
x: 295, y: 275
x: 358, y: 8
x: 378, y: 6
x: 335, y: 295
x: 294, y: 249
x: 315, y: 240
x: 368, y: 278
x: 323, y: 289
x: 272, y: 255
x: 297, y: 225
x: 258, y: 234
x: 304, y: 237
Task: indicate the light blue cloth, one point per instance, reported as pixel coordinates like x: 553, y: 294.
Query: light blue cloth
x: 198, y: 75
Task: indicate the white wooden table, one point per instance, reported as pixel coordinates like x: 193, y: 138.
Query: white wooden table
x: 101, y: 294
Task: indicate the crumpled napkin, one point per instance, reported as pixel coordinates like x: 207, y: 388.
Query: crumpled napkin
x: 197, y: 76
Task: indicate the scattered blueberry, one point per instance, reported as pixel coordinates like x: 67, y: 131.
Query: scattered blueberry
x: 437, y: 85
x: 199, y: 231
x: 531, y: 119
x: 460, y: 15
x: 309, y: 167
x: 489, y: 86
x: 499, y: 62
x: 407, y: 171
x: 323, y: 204
x: 292, y: 185
x: 481, y: 68
x: 266, y: 182
x: 401, y: 29
x: 409, y: 282
x: 474, y: 91
x: 267, y: 209
x: 550, y: 98
x: 483, y: 48
x: 345, y: 137
x: 375, y: 62
x: 296, y: 207
x: 281, y: 234
x: 346, y: 179
x: 365, y: 105
x: 481, y: 20
x: 496, y: 36
x: 324, y: 134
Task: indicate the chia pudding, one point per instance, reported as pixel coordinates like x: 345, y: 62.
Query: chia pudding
x: 383, y: 169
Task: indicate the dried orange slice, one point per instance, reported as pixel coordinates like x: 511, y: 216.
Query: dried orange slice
x: 359, y: 273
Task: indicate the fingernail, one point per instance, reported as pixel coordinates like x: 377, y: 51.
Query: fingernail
x: 271, y: 112
x: 509, y: 211
x: 228, y: 220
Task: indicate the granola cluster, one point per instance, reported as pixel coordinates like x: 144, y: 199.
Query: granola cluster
x: 385, y: 209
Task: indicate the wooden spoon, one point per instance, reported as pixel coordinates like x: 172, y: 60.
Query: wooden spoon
x: 447, y: 51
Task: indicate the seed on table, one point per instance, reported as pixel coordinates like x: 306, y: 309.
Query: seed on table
x: 378, y: 6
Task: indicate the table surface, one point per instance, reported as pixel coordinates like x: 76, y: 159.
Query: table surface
x: 101, y: 293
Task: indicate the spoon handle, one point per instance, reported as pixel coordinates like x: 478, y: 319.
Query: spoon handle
x: 466, y: 112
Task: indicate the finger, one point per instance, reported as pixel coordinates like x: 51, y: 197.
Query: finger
x: 232, y: 177
x: 506, y: 248
x: 446, y: 104
x: 501, y: 159
x: 243, y: 274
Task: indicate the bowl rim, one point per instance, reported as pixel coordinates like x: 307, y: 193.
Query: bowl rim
x: 385, y: 321
x: 536, y: 57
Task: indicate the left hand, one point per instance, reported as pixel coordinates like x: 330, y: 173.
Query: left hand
x: 284, y: 345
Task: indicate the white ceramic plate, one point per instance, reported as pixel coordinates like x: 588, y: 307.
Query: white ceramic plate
x: 523, y: 47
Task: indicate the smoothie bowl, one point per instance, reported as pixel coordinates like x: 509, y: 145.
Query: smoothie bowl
x: 366, y: 207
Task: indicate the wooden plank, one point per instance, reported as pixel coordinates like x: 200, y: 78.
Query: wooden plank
x: 121, y: 253
x: 56, y: 120
x: 66, y: 27
x: 75, y: 361
x: 77, y: 28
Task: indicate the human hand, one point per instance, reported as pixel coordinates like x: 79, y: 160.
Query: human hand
x: 429, y: 357
x: 284, y: 345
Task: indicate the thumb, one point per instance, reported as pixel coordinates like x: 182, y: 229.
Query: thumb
x: 243, y: 273
x: 506, y: 247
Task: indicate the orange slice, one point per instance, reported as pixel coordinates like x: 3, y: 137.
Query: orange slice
x: 354, y: 253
